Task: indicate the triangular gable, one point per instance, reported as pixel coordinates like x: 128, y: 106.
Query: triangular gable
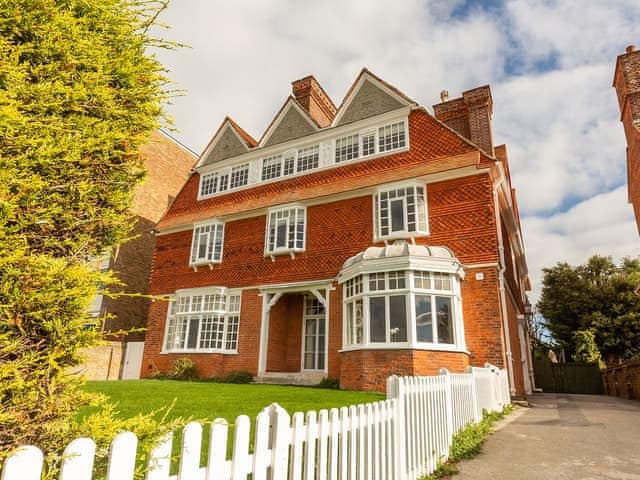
x: 292, y: 121
x: 229, y: 141
x: 369, y: 96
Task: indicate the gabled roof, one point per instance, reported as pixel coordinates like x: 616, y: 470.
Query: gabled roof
x: 291, y: 116
x: 235, y: 140
x: 365, y: 78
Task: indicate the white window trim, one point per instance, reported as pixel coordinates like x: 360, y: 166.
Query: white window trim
x: 377, y: 237
x: 202, y: 291
x: 285, y: 250
x: 325, y: 140
x: 210, y: 263
x: 410, y: 291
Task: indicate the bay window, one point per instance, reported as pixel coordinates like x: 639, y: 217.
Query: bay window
x: 402, y: 308
x: 206, y: 321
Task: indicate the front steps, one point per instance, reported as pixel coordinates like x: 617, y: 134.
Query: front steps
x: 290, y: 378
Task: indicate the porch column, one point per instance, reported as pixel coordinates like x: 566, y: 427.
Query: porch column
x: 268, y: 301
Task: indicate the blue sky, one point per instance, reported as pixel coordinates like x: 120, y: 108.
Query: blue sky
x: 549, y: 64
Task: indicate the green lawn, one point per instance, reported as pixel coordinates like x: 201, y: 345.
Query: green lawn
x: 207, y: 401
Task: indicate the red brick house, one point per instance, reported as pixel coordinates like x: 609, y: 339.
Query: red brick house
x: 353, y: 242
x: 626, y: 81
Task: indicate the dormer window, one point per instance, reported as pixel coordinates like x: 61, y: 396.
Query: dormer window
x: 391, y: 137
x: 308, y: 158
x: 371, y: 142
x: 346, y: 148
x: 285, y: 231
x: 206, y: 244
x: 239, y: 176
x: 401, y: 212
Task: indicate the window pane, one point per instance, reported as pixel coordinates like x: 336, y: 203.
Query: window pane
x: 444, y: 319
x: 398, y: 318
x: 397, y: 215
x: 369, y: 144
x: 377, y: 319
x: 424, y: 325
x: 203, y: 239
x: 192, y: 340
x: 358, y: 322
x: 281, y: 233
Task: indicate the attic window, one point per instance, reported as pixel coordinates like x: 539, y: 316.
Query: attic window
x: 391, y: 137
x: 308, y: 158
x: 346, y: 148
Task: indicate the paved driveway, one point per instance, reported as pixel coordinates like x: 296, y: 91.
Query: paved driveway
x: 576, y: 437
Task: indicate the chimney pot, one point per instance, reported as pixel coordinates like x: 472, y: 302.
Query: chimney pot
x: 631, y: 48
x: 444, y: 95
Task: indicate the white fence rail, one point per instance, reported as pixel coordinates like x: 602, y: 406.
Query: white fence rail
x: 400, y: 438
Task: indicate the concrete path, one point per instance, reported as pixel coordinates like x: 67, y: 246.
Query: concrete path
x: 573, y: 437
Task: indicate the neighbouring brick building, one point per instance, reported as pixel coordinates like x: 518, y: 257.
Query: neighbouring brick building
x: 626, y: 81
x: 168, y: 165
x: 352, y: 242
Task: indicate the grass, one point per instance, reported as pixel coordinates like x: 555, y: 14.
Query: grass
x: 206, y: 401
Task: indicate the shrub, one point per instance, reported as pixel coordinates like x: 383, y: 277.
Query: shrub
x: 328, y: 382
x: 183, y: 369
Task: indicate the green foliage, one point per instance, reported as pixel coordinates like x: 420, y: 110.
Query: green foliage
x: 328, y: 382
x: 586, y: 350
x: 467, y: 443
x: 79, y: 94
x: 237, y: 377
x: 183, y: 369
x: 599, y: 297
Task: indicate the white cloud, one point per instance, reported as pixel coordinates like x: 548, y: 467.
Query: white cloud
x: 603, y: 225
x: 563, y: 133
x: 575, y: 32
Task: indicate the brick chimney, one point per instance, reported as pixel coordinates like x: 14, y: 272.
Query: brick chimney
x: 315, y: 100
x: 470, y: 116
x: 627, y: 84
x: 626, y: 81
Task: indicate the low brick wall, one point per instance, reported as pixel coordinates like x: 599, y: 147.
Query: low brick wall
x: 623, y: 380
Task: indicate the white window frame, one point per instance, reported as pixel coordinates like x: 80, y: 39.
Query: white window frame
x: 305, y: 317
x: 325, y: 144
x: 410, y: 291
x: 293, y: 212
x: 230, y: 318
x: 421, y: 230
x: 210, y: 258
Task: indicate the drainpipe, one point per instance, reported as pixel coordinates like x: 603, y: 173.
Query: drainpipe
x: 503, y: 298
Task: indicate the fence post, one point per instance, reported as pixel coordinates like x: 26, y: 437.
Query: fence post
x: 122, y: 457
x: 77, y: 463
x: 24, y: 463
x: 477, y: 414
x: 279, y: 442
x: 396, y: 392
x: 449, y: 404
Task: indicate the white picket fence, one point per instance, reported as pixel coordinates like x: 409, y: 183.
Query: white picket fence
x: 400, y: 438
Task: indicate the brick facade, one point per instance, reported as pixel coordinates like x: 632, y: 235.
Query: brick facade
x: 627, y: 84
x: 462, y: 211
x: 167, y: 166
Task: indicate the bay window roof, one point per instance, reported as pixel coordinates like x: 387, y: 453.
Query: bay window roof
x: 401, y: 256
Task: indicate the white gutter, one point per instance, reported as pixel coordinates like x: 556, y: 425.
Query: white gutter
x: 503, y: 299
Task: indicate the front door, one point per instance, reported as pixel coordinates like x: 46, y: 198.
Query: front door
x: 314, y: 334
